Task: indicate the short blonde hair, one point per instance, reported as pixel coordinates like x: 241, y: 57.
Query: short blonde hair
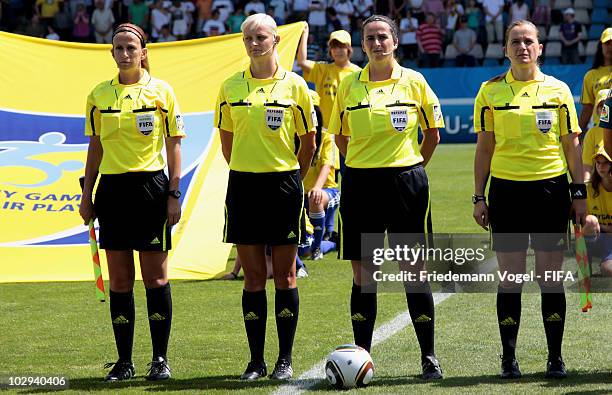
x: 256, y: 20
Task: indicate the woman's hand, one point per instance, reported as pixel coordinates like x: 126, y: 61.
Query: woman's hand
x: 174, y: 211
x: 316, y: 195
x: 481, y: 214
x: 579, y: 208
x: 86, y: 209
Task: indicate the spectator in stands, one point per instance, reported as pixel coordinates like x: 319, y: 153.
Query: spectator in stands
x: 204, y: 8
x: 80, y: 32
x: 317, y: 22
x: 254, y: 7
x: 345, y: 11
x: 417, y: 9
x: 214, y: 26
x: 474, y: 15
x: 519, y: 11
x: 332, y: 18
x: 464, y: 41
x: 165, y: 36
x: 281, y: 10
x: 541, y: 14
x: 570, y: 36
x: 46, y: 10
x: 493, y: 19
x: 62, y: 22
x: 235, y: 20
x: 160, y: 16
x: 300, y: 11
x: 435, y: 7
x: 363, y: 9
x: 429, y: 38
x: 451, y: 17
x: 408, y: 27
x: 313, y: 49
x: 182, y: 18
x: 102, y: 20
x: 138, y: 14
x: 225, y: 7
x: 51, y: 34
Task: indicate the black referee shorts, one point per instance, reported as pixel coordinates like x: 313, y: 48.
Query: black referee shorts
x: 523, y: 210
x: 374, y: 201
x: 132, y: 210
x: 263, y: 208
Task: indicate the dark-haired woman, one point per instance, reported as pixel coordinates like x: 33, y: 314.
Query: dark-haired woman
x: 128, y: 119
x: 597, y: 78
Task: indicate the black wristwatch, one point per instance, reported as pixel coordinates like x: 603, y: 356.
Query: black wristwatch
x: 175, y: 194
x: 478, y: 198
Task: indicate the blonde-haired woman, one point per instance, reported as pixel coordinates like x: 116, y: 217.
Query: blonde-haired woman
x: 258, y: 113
x: 527, y: 141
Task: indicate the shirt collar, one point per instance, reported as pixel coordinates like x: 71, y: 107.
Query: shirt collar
x: 396, y: 74
x: 278, y: 75
x: 144, y: 80
x: 539, y: 77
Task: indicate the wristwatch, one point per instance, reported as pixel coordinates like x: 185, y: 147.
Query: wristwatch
x: 478, y: 198
x: 175, y: 194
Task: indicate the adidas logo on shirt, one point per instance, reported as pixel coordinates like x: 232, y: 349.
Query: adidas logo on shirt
x: 121, y: 320
x: 250, y: 316
x: 260, y: 90
x: 508, y: 322
x: 554, y: 317
x: 358, y: 317
x: 286, y: 313
x: 525, y: 94
x: 423, y: 318
x: 157, y: 317
x: 380, y: 91
x: 128, y: 97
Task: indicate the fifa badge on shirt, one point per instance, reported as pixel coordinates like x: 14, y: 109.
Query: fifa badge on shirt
x: 605, y: 113
x: 544, y: 120
x: 180, y: 123
x: 145, y: 123
x: 437, y: 113
x: 274, y: 117
x: 399, y: 119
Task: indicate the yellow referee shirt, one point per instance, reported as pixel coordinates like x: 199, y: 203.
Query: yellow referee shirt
x: 327, y: 77
x: 132, y: 121
x: 528, y: 119
x: 383, y: 117
x: 264, y: 115
x: 327, y: 155
x: 600, y: 205
x: 594, y: 81
x: 592, y: 144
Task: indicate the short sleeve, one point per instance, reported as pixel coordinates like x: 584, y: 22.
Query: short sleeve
x: 315, y: 74
x: 604, y: 116
x: 568, y: 119
x: 587, y: 95
x: 175, y: 124
x: 92, y: 117
x: 337, y: 121
x: 483, y: 114
x: 430, y: 116
x: 223, y: 117
x: 588, y: 148
x: 328, y: 156
x: 304, y: 113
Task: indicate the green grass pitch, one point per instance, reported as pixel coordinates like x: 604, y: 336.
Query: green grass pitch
x: 59, y: 328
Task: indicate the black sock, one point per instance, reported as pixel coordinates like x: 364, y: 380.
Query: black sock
x: 286, y: 309
x: 421, y: 308
x: 508, y: 318
x: 122, y: 317
x: 553, y: 315
x: 255, y: 312
x: 159, y: 307
x: 363, y: 316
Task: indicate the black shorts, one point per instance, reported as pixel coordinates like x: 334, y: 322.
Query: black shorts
x: 524, y: 210
x: 132, y: 210
x: 263, y: 208
x: 374, y: 201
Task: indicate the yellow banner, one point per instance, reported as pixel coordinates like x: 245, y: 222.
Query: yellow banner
x: 43, y: 87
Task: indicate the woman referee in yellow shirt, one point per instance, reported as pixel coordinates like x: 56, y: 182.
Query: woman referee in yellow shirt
x: 259, y: 111
x: 376, y: 118
x: 527, y: 140
x: 128, y: 119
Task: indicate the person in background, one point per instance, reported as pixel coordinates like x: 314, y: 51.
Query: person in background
x: 597, y: 78
x: 429, y: 38
x: 570, y: 31
x: 214, y: 26
x: 102, y: 20
x: 235, y: 20
x: 80, y: 30
x: 408, y: 41
x: 165, y: 36
x: 464, y: 41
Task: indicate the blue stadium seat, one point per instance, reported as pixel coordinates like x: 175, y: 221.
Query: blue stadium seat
x: 411, y: 64
x: 589, y: 60
x: 600, y: 15
x: 490, y: 62
x: 552, y: 61
x: 601, y: 3
x: 595, y: 31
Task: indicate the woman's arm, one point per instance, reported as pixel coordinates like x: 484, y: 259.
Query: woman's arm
x: 485, y: 146
x: 173, y: 155
x: 431, y: 138
x: 342, y: 143
x: 571, y: 149
x: 227, y: 140
x: 92, y: 165
x: 307, y: 150
x: 302, y: 53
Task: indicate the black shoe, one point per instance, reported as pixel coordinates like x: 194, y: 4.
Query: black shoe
x: 120, y: 371
x: 555, y: 368
x: 510, y: 368
x: 282, y: 370
x: 431, y: 368
x: 158, y: 370
x: 255, y: 370
x: 316, y: 254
